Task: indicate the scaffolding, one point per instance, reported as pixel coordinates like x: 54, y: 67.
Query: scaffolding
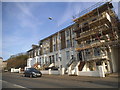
x: 104, y: 29
x: 91, y: 10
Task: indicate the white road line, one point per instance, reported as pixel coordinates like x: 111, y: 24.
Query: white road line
x: 19, y: 86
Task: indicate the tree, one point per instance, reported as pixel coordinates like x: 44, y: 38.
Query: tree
x: 17, y: 62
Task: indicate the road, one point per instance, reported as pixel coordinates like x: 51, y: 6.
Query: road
x: 16, y: 80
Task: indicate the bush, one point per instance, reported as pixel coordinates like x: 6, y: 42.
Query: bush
x: 17, y: 62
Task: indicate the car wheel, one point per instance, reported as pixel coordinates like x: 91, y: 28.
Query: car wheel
x: 35, y: 76
x: 31, y: 75
x: 24, y: 75
x: 40, y: 75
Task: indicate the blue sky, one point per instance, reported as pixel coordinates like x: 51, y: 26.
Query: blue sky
x: 24, y: 24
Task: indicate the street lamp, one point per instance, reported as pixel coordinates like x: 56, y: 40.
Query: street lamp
x: 58, y: 39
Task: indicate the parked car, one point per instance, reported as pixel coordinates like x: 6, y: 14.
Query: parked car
x: 32, y: 72
x: 5, y: 70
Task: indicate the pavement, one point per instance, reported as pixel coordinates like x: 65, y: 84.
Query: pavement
x: 59, y: 81
x: 114, y: 75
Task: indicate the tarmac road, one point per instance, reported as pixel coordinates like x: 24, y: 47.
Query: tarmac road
x: 16, y: 80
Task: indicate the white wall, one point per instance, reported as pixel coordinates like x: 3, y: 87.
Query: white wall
x: 114, y: 56
x: 63, y: 55
x: 56, y: 72
x: 98, y: 73
x: 88, y: 73
x: 15, y: 70
x: 30, y: 62
x: 44, y: 71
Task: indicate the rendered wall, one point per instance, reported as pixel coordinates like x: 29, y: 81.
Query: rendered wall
x: 88, y: 73
x: 115, y: 51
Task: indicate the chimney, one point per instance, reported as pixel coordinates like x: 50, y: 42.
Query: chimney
x: 34, y: 46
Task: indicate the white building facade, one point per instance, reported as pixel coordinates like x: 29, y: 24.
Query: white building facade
x: 76, y: 47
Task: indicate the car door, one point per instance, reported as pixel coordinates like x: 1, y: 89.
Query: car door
x: 27, y: 72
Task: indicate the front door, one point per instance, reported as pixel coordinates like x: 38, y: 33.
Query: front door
x: 53, y: 59
x: 50, y: 59
x: 80, y: 56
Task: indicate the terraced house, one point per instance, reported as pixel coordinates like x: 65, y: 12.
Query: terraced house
x: 92, y: 41
x: 57, y: 49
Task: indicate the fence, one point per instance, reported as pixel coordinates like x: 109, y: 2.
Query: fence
x: 55, y: 72
x: 15, y: 70
x: 19, y: 70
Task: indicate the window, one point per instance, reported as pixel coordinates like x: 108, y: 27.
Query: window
x: 54, y: 39
x: 40, y: 60
x: 67, y: 55
x: 45, y: 60
x: 56, y: 57
x: 80, y: 55
x: 97, y: 52
x: 53, y: 59
x: 37, y: 60
x: 47, y: 49
x: 59, y: 36
x: 88, y: 42
x: 36, y: 52
x: 68, y: 43
x: 67, y: 33
x: 74, y: 42
x: 54, y: 47
x: 59, y: 46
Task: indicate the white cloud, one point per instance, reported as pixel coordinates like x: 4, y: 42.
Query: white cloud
x: 26, y: 16
x: 14, y: 44
x: 66, y: 15
x: 27, y: 24
x: 70, y: 11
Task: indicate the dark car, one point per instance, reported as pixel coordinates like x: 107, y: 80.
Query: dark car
x: 32, y: 72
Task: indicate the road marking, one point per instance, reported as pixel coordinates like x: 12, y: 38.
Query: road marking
x: 19, y: 86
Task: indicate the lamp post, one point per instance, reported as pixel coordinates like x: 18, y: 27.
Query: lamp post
x: 58, y: 39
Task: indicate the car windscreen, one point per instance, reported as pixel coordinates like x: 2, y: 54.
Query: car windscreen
x: 33, y: 70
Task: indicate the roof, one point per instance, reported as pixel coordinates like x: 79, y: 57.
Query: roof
x: 57, y: 32
x: 33, y: 49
